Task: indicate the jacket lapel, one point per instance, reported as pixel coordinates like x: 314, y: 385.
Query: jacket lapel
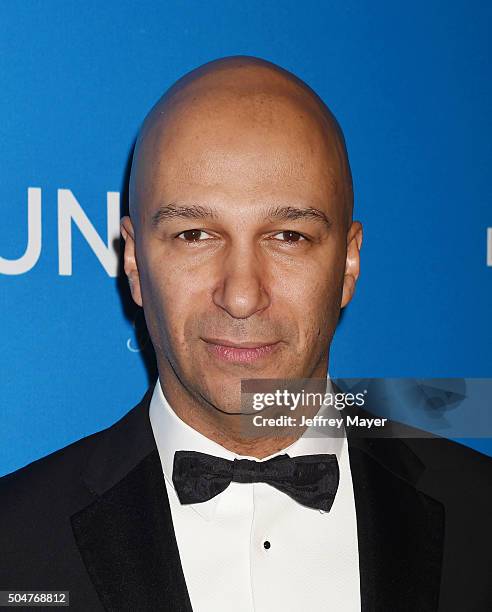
x: 126, y: 536
x: 400, y: 529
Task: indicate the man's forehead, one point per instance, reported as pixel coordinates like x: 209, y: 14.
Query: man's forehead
x: 231, y: 179
x: 247, y: 166
x: 235, y: 139
x: 239, y: 119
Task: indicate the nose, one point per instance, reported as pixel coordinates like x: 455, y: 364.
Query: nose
x: 241, y: 291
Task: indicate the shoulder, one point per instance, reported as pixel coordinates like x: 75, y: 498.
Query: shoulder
x: 441, y: 453
x: 435, y: 452
x: 58, y: 482
x: 451, y: 467
x: 54, y: 477
x: 450, y: 471
x: 63, y: 469
x: 38, y: 500
x: 445, y: 469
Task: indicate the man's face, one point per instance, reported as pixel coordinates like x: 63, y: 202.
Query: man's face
x: 241, y: 245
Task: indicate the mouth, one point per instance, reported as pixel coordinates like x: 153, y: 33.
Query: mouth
x: 240, y: 352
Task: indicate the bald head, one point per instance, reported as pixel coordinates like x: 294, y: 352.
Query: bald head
x: 244, y: 110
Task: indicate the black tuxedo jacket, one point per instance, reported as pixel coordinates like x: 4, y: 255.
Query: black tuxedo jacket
x: 94, y: 519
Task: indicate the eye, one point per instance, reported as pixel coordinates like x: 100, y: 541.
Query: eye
x: 193, y: 235
x: 289, y: 236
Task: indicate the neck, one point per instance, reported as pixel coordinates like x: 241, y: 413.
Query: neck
x: 234, y: 431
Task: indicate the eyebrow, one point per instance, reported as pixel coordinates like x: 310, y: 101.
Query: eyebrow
x: 292, y: 213
x: 173, y: 211
x: 196, y: 211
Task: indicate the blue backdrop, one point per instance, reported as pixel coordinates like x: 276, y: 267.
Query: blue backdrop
x: 410, y: 85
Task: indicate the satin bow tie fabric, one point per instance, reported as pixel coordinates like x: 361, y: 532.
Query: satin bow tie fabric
x: 311, y: 480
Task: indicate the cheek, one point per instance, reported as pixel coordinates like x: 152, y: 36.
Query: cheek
x: 174, y: 302
x: 157, y: 299
x: 166, y: 283
x: 313, y: 300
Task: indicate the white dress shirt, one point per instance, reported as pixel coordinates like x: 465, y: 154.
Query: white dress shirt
x: 310, y: 562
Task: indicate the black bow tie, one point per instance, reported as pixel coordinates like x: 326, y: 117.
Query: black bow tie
x: 312, y: 480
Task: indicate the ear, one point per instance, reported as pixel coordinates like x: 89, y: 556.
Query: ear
x: 130, y: 261
x: 352, y: 262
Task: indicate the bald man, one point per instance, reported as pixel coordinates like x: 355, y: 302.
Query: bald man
x: 241, y: 248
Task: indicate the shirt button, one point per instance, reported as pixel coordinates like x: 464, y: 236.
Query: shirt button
x: 266, y: 544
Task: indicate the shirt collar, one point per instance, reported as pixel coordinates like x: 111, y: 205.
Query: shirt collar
x: 172, y: 434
